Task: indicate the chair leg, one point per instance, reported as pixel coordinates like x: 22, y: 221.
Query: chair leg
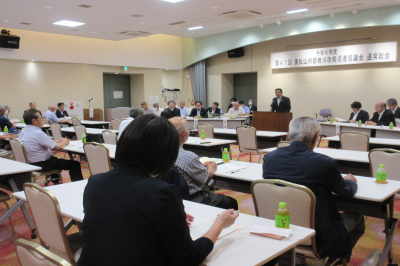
x: 61, y: 180
x: 239, y: 155
x: 10, y: 219
x: 344, y: 262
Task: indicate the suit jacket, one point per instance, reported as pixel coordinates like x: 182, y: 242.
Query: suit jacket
x: 362, y: 115
x: 253, y: 108
x: 216, y: 113
x: 320, y: 173
x: 148, y: 223
x: 176, y: 111
x: 63, y: 114
x: 175, y: 178
x: 397, y: 113
x: 203, y: 112
x: 284, y: 105
x: 386, y: 118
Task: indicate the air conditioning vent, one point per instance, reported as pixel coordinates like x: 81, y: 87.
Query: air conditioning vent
x: 135, y: 33
x: 25, y: 23
x: 177, y: 23
x: 274, y: 18
x: 137, y: 16
x: 85, y: 6
x: 241, y: 14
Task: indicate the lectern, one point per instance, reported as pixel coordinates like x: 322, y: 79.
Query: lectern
x: 271, y: 121
x: 97, y: 115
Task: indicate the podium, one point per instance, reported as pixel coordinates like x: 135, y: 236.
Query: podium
x: 271, y: 121
x: 97, y: 115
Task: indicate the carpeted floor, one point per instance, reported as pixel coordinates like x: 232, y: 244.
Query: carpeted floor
x: 373, y: 237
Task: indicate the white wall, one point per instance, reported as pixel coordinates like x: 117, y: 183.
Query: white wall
x: 137, y: 89
x: 311, y: 89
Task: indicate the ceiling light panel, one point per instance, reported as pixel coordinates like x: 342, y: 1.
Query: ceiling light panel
x: 297, y: 11
x: 68, y: 23
x: 195, y: 28
x: 173, y: 1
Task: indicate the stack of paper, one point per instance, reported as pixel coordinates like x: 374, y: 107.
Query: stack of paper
x: 228, y: 168
x: 206, y: 159
x: 269, y: 231
x: 340, y: 119
x: 200, y: 227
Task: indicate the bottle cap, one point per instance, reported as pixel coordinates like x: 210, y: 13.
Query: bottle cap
x: 381, y: 166
x: 225, y: 149
x: 282, y: 205
x: 202, y: 130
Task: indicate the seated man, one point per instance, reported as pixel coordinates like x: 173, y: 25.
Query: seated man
x: 245, y: 108
x: 252, y: 107
x: 184, y: 111
x: 198, y: 175
x: 145, y: 109
x: 5, y: 122
x: 61, y: 111
x: 236, y: 109
x: 382, y: 116
x: 133, y: 113
x: 199, y: 111
x: 215, y: 110
x: 51, y: 115
x: 172, y: 108
x: 392, y: 104
x: 336, y: 233
x: 32, y: 105
x: 38, y: 148
x: 358, y: 114
x: 233, y: 100
x: 157, y: 110
x: 192, y: 106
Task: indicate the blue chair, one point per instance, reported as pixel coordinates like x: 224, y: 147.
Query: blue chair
x: 325, y: 113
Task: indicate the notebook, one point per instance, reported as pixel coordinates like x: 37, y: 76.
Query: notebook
x: 206, y: 159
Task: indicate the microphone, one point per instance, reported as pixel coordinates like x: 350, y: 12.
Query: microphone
x: 90, y: 99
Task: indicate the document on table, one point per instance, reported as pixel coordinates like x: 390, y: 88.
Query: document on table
x: 341, y: 120
x: 74, y: 145
x: 228, y: 167
x: 269, y: 231
x: 200, y: 227
x: 206, y: 159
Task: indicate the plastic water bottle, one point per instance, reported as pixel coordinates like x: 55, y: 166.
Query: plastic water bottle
x: 391, y: 125
x: 22, y: 121
x: 5, y: 129
x: 203, y: 135
x: 230, y: 117
x: 282, y: 216
x: 199, y: 116
x: 359, y: 123
x: 373, y: 258
x: 381, y: 174
x: 331, y: 120
x: 225, y: 155
x: 83, y: 138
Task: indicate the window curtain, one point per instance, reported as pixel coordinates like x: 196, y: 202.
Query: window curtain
x: 198, y: 78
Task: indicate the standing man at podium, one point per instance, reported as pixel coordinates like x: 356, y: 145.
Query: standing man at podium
x: 280, y: 103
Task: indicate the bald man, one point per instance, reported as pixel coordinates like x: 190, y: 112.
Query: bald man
x: 51, y: 115
x: 196, y: 174
x: 382, y: 116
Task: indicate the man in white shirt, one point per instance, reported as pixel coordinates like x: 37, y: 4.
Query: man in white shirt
x: 157, y: 110
x: 132, y: 115
x: 236, y: 109
x: 51, y: 115
x: 382, y: 116
x: 184, y: 111
x: 145, y: 108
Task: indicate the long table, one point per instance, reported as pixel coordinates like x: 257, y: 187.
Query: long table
x: 373, y: 142
x: 89, y: 123
x: 7, y: 169
x: 88, y: 130
x: 217, y: 122
x: 381, y: 131
x: 23, y: 125
x: 240, y: 248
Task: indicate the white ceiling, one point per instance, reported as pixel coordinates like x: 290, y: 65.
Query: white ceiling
x: 106, y: 19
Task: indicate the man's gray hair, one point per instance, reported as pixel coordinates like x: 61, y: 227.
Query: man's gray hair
x: 235, y: 103
x: 2, y: 107
x: 143, y: 103
x: 303, y: 129
x: 155, y: 104
x: 171, y: 102
x: 8, y: 107
x: 182, y: 127
x: 52, y: 107
x: 392, y: 101
x: 135, y: 112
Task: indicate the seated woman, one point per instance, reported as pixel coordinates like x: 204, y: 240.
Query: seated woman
x: 134, y: 218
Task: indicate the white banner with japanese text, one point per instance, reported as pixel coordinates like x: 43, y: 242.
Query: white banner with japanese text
x: 333, y: 56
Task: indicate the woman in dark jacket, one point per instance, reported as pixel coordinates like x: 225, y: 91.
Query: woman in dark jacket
x: 134, y: 218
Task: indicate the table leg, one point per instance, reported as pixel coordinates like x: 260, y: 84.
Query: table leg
x: 288, y: 258
x: 389, y: 215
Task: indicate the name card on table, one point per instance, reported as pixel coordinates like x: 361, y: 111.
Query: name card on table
x: 195, y: 123
x: 225, y: 122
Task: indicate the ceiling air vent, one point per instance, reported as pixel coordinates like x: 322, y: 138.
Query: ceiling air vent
x: 135, y: 33
x: 25, y: 23
x: 137, y: 16
x: 85, y: 6
x: 241, y: 14
x: 177, y: 23
x: 274, y: 18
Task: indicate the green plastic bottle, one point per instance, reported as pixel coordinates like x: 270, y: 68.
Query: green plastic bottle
x: 203, y: 135
x: 230, y: 117
x: 83, y: 138
x: 5, y: 129
x: 331, y: 120
x: 381, y: 174
x: 199, y: 116
x: 359, y: 123
x: 225, y: 155
x: 22, y: 121
x: 282, y: 216
x: 391, y: 125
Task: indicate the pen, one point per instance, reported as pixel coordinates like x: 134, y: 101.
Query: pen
x: 235, y: 171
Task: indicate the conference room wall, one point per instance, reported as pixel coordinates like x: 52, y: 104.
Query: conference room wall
x: 137, y: 89
x: 313, y: 88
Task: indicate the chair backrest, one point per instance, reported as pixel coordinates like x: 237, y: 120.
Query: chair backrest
x: 109, y: 137
x: 299, y: 199
x: 247, y: 138
x: 390, y: 158
x: 47, y: 216
x: 115, y: 124
x: 354, y: 141
x: 325, y: 112
x: 98, y: 157
x: 79, y: 131
x: 56, y: 131
x: 76, y: 121
x: 30, y: 253
x: 208, y: 129
x: 46, y: 121
x: 282, y: 144
x: 19, y: 151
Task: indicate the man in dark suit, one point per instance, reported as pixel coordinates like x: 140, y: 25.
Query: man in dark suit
x: 199, y: 111
x: 32, y: 105
x: 231, y: 104
x: 252, y: 107
x: 336, y: 233
x: 280, y: 103
x: 358, y: 114
x: 172, y: 108
x: 392, y: 104
x: 215, y: 110
x: 382, y: 116
x: 60, y: 111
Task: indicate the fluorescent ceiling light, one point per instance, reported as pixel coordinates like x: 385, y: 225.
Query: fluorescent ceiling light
x: 297, y: 11
x: 68, y: 23
x: 195, y: 28
x: 173, y: 1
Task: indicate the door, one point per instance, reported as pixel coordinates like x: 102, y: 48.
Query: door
x: 117, y: 90
x: 245, y: 87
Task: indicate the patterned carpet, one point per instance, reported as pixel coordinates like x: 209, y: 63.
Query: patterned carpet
x: 372, y: 238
